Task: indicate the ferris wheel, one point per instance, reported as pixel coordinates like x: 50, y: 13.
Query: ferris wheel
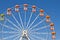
x: 26, y: 22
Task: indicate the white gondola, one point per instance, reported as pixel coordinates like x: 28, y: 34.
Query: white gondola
x: 9, y: 11
x: 25, y: 7
x: 17, y: 8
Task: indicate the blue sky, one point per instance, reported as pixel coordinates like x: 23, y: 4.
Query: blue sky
x: 52, y: 7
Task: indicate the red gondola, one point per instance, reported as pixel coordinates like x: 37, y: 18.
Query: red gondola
x: 47, y: 17
x: 41, y: 12
x: 33, y: 8
x: 51, y: 24
x: 53, y: 33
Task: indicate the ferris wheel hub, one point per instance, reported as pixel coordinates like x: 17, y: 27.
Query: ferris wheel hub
x: 24, y: 35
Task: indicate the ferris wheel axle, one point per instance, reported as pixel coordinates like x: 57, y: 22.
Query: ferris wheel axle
x: 24, y: 35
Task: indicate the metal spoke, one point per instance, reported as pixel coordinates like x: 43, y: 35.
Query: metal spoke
x: 37, y: 37
x: 10, y: 37
x: 33, y: 21
x: 25, y: 20
x: 20, y: 19
x: 43, y: 27
x: 10, y: 32
x: 42, y: 33
x: 16, y: 21
x: 9, y: 27
x: 37, y: 24
x: 16, y: 37
x: 29, y: 19
x: 13, y: 24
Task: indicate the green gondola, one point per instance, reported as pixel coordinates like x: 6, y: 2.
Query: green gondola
x: 2, y: 17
